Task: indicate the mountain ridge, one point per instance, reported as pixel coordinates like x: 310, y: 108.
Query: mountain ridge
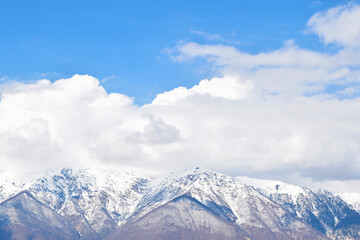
x: 97, y: 203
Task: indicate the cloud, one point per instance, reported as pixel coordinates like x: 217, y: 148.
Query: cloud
x: 72, y: 122
x: 75, y: 122
x: 339, y: 25
x: 156, y: 132
x: 287, y: 123
x: 349, y: 91
x: 228, y: 87
x: 266, y: 115
x: 267, y: 136
x: 289, y: 70
x: 105, y: 79
x: 208, y: 36
x: 3, y: 78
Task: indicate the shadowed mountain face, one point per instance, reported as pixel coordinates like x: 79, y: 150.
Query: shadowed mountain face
x: 183, y: 218
x: 226, y: 197
x: 324, y: 211
x: 24, y: 217
x: 75, y: 216
x: 93, y: 201
x: 195, y: 204
x: 319, y: 208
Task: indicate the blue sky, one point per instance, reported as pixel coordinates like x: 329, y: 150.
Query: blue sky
x: 125, y: 43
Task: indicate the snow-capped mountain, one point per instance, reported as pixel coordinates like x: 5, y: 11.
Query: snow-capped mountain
x: 195, y: 204
x: 325, y: 211
x: 95, y: 201
x: 257, y: 216
x: 228, y: 198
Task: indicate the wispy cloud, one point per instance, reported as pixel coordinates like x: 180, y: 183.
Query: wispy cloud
x: 209, y: 36
x: 105, y: 79
x: 214, y: 37
x: 4, y: 78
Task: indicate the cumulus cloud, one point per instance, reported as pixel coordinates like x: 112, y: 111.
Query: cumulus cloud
x: 227, y: 87
x: 72, y: 122
x: 156, y: 132
x: 307, y: 136
x: 268, y: 115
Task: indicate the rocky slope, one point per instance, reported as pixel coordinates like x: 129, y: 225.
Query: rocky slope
x: 182, y: 218
x: 325, y: 211
x: 24, y: 217
x: 229, y: 199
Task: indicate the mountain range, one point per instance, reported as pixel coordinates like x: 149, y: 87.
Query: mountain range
x: 195, y: 204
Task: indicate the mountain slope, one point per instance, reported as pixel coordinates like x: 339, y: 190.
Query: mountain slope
x: 353, y: 199
x: 75, y: 216
x: 182, y: 218
x: 24, y: 217
x: 319, y: 208
x: 230, y: 200
x: 96, y: 200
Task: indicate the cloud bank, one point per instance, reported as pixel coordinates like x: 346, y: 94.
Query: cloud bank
x: 268, y: 115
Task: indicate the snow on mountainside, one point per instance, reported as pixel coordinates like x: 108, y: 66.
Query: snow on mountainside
x: 94, y: 200
x: 97, y: 202
x: 24, y: 217
x: 352, y: 198
x: 270, y: 186
x: 103, y: 198
x: 181, y: 219
x: 323, y: 210
x: 228, y: 198
x: 11, y: 185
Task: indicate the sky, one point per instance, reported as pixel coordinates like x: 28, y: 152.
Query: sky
x: 266, y: 89
x: 126, y: 43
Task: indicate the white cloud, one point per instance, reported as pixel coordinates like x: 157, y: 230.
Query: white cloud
x: 267, y: 136
x: 350, y: 91
x: 339, y: 25
x: 156, y: 132
x: 228, y: 87
x: 74, y: 122
x: 286, y: 71
x: 71, y: 122
x: 105, y: 79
